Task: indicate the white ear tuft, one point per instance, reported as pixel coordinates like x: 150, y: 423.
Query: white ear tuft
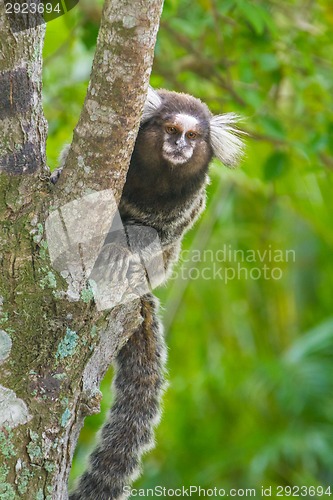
x: 225, y: 140
x: 153, y: 102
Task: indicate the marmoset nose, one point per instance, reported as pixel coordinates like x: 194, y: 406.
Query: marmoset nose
x: 180, y: 141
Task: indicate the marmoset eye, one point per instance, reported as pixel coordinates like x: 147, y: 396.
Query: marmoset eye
x: 191, y: 135
x: 171, y: 130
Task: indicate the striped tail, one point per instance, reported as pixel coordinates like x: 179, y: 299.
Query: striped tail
x: 129, y: 431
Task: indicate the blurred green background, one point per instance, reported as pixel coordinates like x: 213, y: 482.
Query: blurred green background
x: 250, y: 401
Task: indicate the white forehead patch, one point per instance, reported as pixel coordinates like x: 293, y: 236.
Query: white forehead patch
x: 187, y: 122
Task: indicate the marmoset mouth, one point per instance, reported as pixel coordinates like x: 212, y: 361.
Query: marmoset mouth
x: 175, y: 157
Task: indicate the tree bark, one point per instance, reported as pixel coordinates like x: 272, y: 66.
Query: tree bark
x: 55, y: 345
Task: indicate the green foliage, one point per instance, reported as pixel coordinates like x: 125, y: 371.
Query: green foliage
x: 250, y: 399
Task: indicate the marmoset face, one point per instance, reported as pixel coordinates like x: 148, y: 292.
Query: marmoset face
x: 178, y: 136
x: 181, y: 136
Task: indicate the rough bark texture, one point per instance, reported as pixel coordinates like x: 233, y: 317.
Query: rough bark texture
x: 23, y: 127
x: 56, y: 347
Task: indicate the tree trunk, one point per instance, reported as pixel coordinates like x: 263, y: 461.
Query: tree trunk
x: 55, y: 345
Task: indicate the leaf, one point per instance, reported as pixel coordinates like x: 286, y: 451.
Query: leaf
x: 272, y: 127
x: 57, y: 33
x: 226, y: 6
x: 319, y: 340
x: 253, y: 15
x: 275, y: 165
x: 268, y: 62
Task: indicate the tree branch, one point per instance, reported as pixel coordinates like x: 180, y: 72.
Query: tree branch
x: 105, y: 134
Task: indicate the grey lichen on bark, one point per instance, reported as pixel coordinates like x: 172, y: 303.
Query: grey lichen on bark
x: 54, y: 351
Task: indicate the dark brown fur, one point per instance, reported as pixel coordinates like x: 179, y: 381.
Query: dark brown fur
x: 138, y: 385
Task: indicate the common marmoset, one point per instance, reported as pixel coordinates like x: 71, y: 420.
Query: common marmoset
x: 164, y: 190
